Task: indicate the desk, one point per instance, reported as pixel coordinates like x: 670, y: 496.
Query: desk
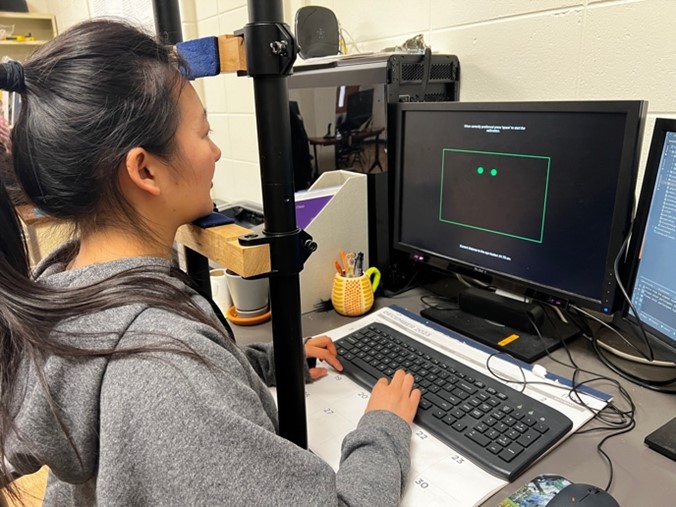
x: 356, y: 136
x: 642, y: 477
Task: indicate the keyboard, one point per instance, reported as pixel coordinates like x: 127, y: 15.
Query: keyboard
x: 496, y: 427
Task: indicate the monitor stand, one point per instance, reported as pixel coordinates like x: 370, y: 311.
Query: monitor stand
x: 523, y: 344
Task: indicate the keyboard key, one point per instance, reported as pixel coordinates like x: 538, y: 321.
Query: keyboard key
x: 528, y: 438
x: 478, y: 438
x: 465, y: 385
x: 520, y: 427
x: 459, y: 426
x: 457, y: 413
x: 511, y: 452
x: 367, y: 367
x: 542, y: 428
x: 449, y: 419
x: 512, y: 434
x: 503, y: 441
x: 466, y: 407
x: 492, y: 434
x: 439, y: 401
x: 529, y: 421
x: 476, y: 413
x: 481, y: 428
x: 460, y: 394
x: 502, y: 428
x: 494, y: 447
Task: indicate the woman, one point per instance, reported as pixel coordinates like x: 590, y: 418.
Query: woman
x: 115, y: 373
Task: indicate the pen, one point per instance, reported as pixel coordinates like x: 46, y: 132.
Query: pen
x: 338, y: 268
x: 359, y: 264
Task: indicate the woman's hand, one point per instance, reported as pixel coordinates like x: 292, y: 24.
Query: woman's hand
x: 397, y: 396
x: 322, y: 347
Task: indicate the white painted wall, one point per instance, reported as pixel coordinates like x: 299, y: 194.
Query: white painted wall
x: 508, y: 50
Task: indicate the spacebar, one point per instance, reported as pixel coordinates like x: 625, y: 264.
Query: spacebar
x: 374, y: 373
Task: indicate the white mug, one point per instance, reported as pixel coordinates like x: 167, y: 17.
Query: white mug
x: 219, y: 290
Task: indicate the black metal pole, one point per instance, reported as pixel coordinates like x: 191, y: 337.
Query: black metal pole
x: 274, y: 146
x: 168, y: 20
x: 270, y: 52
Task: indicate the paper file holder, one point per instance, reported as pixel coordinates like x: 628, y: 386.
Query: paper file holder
x: 335, y: 224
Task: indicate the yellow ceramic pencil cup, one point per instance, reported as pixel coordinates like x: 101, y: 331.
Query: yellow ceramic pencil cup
x: 353, y: 296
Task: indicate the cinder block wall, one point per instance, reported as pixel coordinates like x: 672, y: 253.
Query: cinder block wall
x: 508, y: 50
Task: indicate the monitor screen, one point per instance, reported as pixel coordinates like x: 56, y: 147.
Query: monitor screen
x: 359, y: 110
x: 330, y: 113
x: 652, y: 273
x: 537, y: 194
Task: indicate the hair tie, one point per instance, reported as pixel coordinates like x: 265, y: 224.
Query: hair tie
x: 13, y: 77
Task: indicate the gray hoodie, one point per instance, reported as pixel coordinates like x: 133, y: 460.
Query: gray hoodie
x: 162, y: 428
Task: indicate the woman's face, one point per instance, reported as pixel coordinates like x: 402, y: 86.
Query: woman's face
x: 194, y: 161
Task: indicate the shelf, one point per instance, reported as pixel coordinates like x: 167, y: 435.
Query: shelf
x: 24, y: 43
x: 25, y: 15
x: 40, y: 26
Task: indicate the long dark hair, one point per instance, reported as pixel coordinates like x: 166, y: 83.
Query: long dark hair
x: 88, y: 97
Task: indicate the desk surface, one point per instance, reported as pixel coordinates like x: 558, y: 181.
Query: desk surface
x: 641, y: 476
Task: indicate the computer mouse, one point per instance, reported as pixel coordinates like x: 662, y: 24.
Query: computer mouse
x: 582, y: 495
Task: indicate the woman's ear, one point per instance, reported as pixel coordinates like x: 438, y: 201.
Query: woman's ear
x: 143, y: 171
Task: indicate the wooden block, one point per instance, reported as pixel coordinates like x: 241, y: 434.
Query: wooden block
x: 231, y: 53
x: 29, y: 215
x: 31, y: 489
x: 221, y: 245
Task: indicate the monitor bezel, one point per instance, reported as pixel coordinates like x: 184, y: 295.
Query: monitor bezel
x: 635, y: 111
x: 623, y: 319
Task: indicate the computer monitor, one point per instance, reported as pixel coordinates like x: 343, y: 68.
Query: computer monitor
x: 359, y: 110
x: 651, y: 274
x: 534, y: 195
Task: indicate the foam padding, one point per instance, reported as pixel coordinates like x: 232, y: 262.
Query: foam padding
x: 201, y: 55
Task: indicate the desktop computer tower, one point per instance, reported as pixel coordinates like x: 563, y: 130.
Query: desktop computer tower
x: 343, y: 117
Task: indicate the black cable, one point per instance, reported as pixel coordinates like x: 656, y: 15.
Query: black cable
x: 427, y: 71
x: 662, y: 386
x: 626, y: 420
x: 654, y: 385
x: 407, y: 286
x: 425, y: 300
x: 581, y: 322
x: 616, y: 269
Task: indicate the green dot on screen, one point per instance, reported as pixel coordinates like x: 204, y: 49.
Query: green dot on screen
x: 480, y: 170
x: 494, y: 172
